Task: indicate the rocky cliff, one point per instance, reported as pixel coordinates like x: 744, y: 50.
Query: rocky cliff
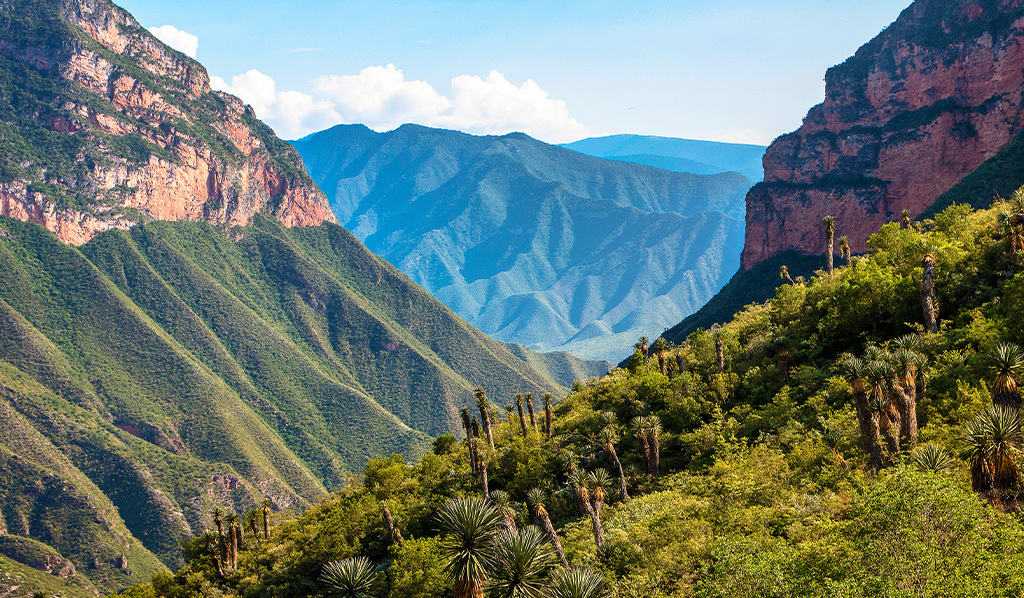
x: 913, y: 112
x: 105, y: 126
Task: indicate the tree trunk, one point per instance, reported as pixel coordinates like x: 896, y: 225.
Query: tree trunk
x: 928, y: 294
x: 522, y: 415
x: 266, y: 522
x: 254, y: 528
x: 829, y: 250
x: 549, y: 530
x: 582, y: 497
x: 661, y: 364
x: 655, y: 454
x: 394, y: 534
x: 221, y: 544
x: 887, y: 420
x: 868, y: 426
x: 609, y: 449
x: 720, y: 350
x: 529, y: 408
x: 485, y: 421
x: 906, y: 396
x: 645, y: 450
x: 597, y: 502
x: 547, y: 415
x: 218, y: 566
x: 468, y: 588
x: 483, y: 479
x: 232, y: 548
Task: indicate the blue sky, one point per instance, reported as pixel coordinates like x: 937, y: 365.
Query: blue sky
x: 742, y: 71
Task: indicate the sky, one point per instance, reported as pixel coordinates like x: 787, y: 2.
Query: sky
x: 742, y: 71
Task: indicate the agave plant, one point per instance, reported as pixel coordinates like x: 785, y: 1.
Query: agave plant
x: 1008, y: 363
x: 578, y: 582
x: 994, y: 438
x: 470, y: 526
x: 932, y: 457
x: 522, y: 559
x: 349, y: 578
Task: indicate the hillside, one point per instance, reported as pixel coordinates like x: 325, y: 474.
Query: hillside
x: 679, y: 155
x: 152, y: 374
x: 913, y: 112
x: 103, y: 126
x: 532, y: 243
x: 821, y: 444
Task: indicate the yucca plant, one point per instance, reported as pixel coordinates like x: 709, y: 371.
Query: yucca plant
x: 829, y: 222
x: 932, y: 457
x: 784, y: 275
x: 521, y: 562
x: 905, y: 218
x: 608, y: 437
x: 637, y: 426
x: 503, y: 502
x: 522, y: 413
x: 599, y: 481
x: 578, y: 484
x: 855, y: 372
x: 547, y: 415
x: 930, y: 265
x: 833, y: 439
x: 1008, y: 363
x: 994, y: 439
x: 533, y: 414
x: 536, y: 499
x: 882, y: 377
x: 470, y: 526
x: 844, y: 249
x: 349, y: 578
x: 579, y: 582
x: 660, y: 348
x: 485, y: 415
x: 904, y: 390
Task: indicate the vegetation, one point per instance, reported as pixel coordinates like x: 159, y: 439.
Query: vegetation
x: 741, y: 481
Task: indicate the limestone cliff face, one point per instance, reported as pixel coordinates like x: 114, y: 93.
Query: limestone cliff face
x: 906, y: 118
x: 133, y: 130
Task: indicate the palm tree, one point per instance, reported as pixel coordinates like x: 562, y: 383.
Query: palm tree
x: 577, y: 583
x: 266, y: 519
x: 608, y: 437
x: 394, y: 534
x: 485, y: 415
x: 652, y: 429
x: 1008, y: 362
x: 471, y: 449
x: 881, y: 375
x: 994, y: 439
x: 637, y: 426
x: 522, y: 559
x: 906, y: 363
x: 232, y: 521
x: 503, y: 502
x: 536, y: 498
x: 350, y: 578
x: 830, y: 232
x: 931, y: 324
x: 547, y: 414
x: 470, y: 526
x: 599, y: 480
x: 844, y: 249
x: 529, y: 408
x: 641, y: 345
x: 218, y: 520
x: 905, y: 218
x: 784, y: 275
x: 855, y: 372
x: 522, y: 414
x: 660, y: 347
x: 932, y: 457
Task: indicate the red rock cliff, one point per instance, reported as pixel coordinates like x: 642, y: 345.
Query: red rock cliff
x: 151, y: 139
x: 906, y: 118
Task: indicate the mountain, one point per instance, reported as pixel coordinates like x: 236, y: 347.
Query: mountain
x: 183, y: 324
x: 678, y: 155
x: 533, y: 243
x: 917, y: 109
x: 103, y: 126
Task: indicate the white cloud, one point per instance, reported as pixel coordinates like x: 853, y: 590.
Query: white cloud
x: 292, y: 114
x: 383, y: 99
x: 182, y: 41
x: 751, y: 136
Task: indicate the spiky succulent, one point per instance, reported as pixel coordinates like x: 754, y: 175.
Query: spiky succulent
x: 349, y: 578
x: 521, y: 561
x: 470, y: 526
x: 1008, y: 363
x: 932, y: 457
x: 994, y: 439
x: 577, y: 582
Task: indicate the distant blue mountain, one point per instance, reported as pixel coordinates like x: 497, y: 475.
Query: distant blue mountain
x: 533, y: 243
x: 678, y: 155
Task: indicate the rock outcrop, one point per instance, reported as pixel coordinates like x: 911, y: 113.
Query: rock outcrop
x: 913, y: 112
x: 118, y: 128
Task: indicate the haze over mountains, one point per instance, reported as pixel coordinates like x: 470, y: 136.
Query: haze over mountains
x: 679, y: 155
x: 530, y: 242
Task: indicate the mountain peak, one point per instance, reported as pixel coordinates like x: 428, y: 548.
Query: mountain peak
x: 114, y: 128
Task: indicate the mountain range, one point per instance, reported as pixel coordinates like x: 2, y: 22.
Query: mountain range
x: 183, y: 324
x: 533, y: 243
x: 678, y: 155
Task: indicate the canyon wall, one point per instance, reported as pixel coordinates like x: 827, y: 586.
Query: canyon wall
x: 913, y: 112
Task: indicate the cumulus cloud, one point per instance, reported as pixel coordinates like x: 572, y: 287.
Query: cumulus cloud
x: 292, y: 114
x: 182, y: 41
x: 382, y: 98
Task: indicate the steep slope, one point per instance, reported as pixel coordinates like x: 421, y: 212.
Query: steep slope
x: 102, y: 126
x: 532, y: 243
x: 679, y: 155
x: 912, y: 113
x: 152, y: 374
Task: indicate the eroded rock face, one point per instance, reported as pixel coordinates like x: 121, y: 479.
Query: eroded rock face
x: 159, y: 143
x: 913, y: 112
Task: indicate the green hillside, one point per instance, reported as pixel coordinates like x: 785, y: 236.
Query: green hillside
x: 155, y: 373
x: 823, y: 443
